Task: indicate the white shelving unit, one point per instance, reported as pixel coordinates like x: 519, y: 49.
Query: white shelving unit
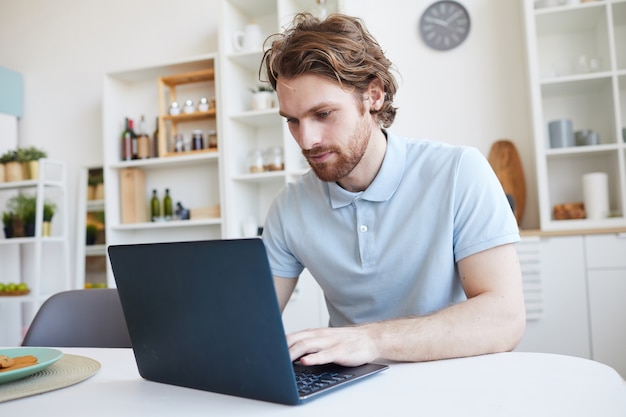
x: 249, y: 195
x: 577, y: 71
x: 42, y: 262
x: 193, y: 178
x: 208, y: 179
x: 87, y: 256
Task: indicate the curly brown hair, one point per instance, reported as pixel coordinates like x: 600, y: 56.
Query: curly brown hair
x: 339, y: 48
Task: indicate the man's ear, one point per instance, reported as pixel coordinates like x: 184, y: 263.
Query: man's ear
x: 376, y: 93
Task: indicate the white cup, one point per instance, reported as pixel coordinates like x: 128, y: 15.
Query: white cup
x: 596, y: 195
x: 249, y: 39
x: 262, y: 100
x: 249, y: 227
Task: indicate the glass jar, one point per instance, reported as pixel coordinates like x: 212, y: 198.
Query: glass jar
x: 174, y: 109
x: 203, y: 105
x: 273, y: 160
x: 189, y: 107
x: 211, y: 138
x: 255, y: 161
x: 179, y: 143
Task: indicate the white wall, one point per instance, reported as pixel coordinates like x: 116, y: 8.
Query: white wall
x: 474, y: 95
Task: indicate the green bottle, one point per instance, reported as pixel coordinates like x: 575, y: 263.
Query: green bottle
x: 167, y: 205
x: 155, y: 207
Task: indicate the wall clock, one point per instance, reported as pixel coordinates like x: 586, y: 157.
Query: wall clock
x: 444, y: 25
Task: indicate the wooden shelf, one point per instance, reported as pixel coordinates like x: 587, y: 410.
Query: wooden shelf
x: 167, y: 94
x: 189, y: 117
x: 188, y: 78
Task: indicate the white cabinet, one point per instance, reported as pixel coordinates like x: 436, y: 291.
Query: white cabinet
x: 563, y: 327
x: 91, y: 262
x: 249, y: 194
x: 42, y: 260
x: 577, y: 71
x: 607, y: 293
x: 583, y: 285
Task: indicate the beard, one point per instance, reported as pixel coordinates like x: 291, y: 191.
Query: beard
x: 344, y: 160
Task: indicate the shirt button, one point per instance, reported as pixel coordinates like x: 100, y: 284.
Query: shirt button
x: 363, y: 228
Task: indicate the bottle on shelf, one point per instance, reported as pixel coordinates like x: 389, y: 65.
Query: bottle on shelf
x: 128, y: 141
x: 167, y: 205
x: 155, y: 140
x: 197, y: 140
x: 155, y: 207
x: 143, y: 141
x: 133, y: 138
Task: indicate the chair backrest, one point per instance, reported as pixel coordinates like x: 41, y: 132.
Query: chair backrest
x: 80, y: 318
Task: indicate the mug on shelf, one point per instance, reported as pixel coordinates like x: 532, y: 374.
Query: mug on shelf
x: 249, y: 39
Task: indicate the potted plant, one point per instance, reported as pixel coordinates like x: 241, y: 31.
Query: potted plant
x: 2, y: 169
x: 48, y: 213
x: 24, y: 208
x: 12, y: 166
x: 96, y: 187
x: 29, y: 157
x: 262, y: 97
x: 91, y: 232
x: 7, y: 221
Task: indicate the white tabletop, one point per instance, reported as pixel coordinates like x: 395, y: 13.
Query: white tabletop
x: 508, y: 384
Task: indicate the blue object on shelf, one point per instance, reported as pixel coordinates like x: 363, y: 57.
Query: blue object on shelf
x: 11, y: 92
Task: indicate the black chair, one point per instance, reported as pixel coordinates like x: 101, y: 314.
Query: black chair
x: 80, y: 318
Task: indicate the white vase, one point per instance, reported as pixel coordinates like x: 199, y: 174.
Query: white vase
x: 262, y: 100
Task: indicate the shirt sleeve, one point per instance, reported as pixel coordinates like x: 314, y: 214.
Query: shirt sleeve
x: 483, y: 216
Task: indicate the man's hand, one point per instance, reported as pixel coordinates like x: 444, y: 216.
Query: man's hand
x: 347, y: 346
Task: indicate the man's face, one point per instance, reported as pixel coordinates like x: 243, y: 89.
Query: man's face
x: 329, y: 123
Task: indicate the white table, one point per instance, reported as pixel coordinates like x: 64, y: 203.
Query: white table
x: 509, y: 384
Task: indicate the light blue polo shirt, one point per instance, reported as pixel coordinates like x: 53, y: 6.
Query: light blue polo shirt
x: 391, y: 250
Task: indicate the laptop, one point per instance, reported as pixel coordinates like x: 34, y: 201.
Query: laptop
x: 204, y: 315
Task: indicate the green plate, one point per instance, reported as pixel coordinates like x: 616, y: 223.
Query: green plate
x: 45, y: 357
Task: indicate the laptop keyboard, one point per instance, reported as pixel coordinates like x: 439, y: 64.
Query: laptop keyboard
x: 317, y: 378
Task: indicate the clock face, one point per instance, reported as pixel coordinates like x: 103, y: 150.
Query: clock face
x: 444, y: 25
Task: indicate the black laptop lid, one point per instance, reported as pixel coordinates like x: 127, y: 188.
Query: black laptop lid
x: 204, y: 315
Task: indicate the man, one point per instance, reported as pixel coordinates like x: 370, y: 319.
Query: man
x: 410, y: 240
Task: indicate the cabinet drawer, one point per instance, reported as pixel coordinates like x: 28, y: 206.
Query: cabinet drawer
x: 606, y: 251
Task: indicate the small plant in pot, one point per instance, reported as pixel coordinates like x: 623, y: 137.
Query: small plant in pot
x: 12, y: 166
x: 262, y: 97
x: 96, y: 187
x: 24, y: 208
x: 7, y: 221
x: 29, y: 157
x: 48, y: 212
x: 91, y: 233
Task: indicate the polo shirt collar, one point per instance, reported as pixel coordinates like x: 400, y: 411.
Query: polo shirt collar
x: 386, y: 182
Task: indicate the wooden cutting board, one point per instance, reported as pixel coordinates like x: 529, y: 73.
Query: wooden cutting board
x: 507, y: 164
